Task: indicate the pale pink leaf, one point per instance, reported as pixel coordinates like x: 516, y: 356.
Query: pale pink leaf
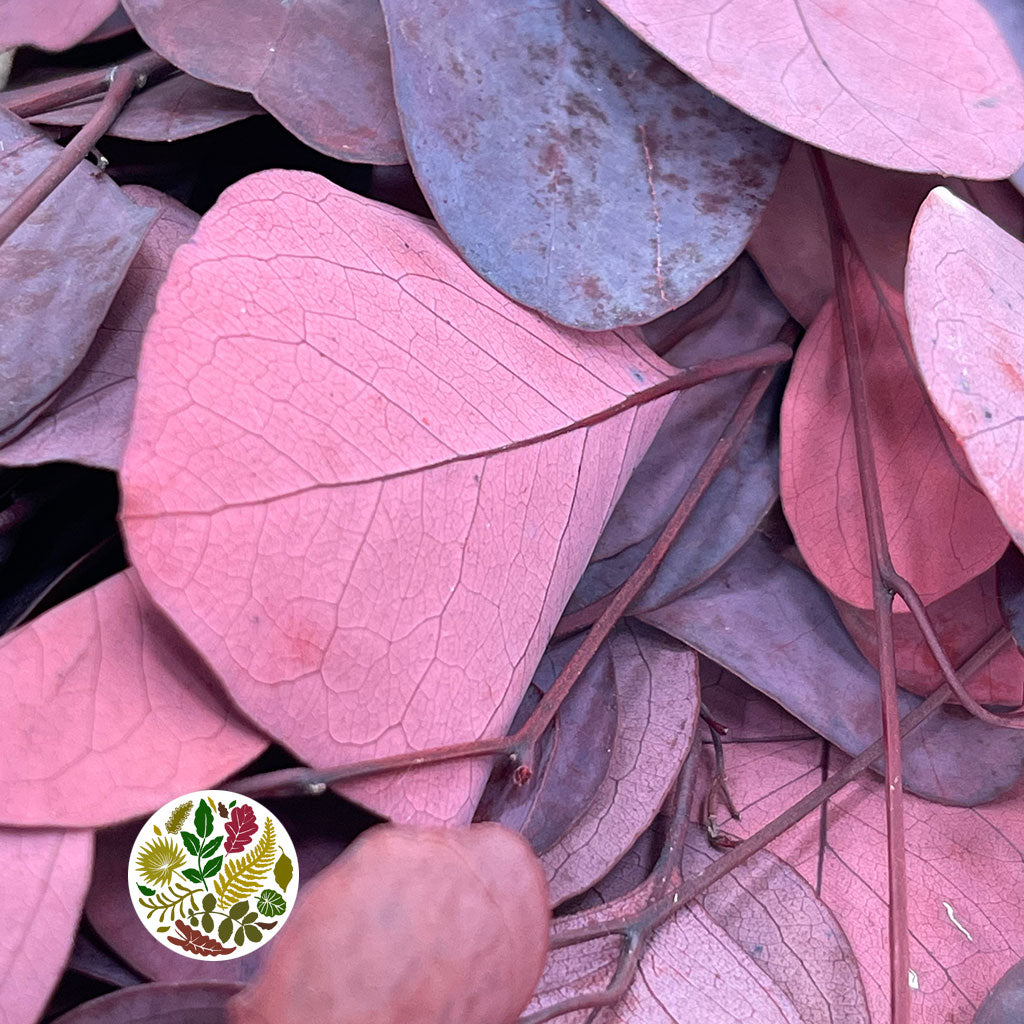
x: 43, y: 879
x: 50, y: 24
x: 965, y: 291
x: 108, y: 713
x: 362, y: 481
x: 918, y: 87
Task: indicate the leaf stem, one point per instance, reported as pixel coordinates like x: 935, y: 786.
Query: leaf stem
x: 881, y: 567
x: 124, y: 80
x: 44, y: 97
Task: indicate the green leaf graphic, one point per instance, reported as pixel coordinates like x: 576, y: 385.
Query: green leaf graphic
x: 252, y: 934
x: 224, y: 931
x: 211, y: 867
x: 191, y: 842
x: 209, y: 902
x: 192, y: 875
x: 244, y: 876
x: 173, y: 901
x: 206, y: 923
x: 239, y: 910
x: 271, y: 903
x: 145, y: 891
x: 164, y: 928
x: 283, y: 872
x: 211, y: 847
x: 239, y: 937
x: 177, y: 818
x: 203, y: 820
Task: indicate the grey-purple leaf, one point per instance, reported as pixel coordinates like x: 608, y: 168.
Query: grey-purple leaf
x: 198, y: 1002
x: 572, y: 166
x: 59, y: 271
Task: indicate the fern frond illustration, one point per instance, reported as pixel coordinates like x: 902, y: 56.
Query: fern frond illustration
x: 172, y: 901
x: 242, y: 876
x: 177, y: 818
x: 159, y: 859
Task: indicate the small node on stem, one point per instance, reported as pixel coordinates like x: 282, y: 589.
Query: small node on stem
x: 522, y: 775
x: 316, y: 788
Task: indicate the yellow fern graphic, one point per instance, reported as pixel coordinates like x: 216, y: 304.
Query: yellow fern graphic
x: 242, y: 876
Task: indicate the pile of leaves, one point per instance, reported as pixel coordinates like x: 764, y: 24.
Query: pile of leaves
x: 596, y: 422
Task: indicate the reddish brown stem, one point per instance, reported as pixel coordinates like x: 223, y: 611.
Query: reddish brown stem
x: 545, y: 711
x: 124, y: 81
x: 519, y: 746
x: 692, y: 888
x: 881, y: 564
x: 30, y: 100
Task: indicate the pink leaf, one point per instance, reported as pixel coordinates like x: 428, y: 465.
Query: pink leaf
x: 420, y: 926
x: 50, y: 24
x: 240, y: 829
x: 43, y: 878
x: 791, y: 242
x: 966, y: 913
x: 965, y: 290
x: 101, y: 688
x: 942, y: 531
x: 89, y: 419
x: 322, y: 70
x: 361, y: 480
x: 656, y: 679
x: 918, y: 87
x: 963, y: 620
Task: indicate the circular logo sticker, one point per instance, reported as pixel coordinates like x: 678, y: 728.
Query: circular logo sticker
x: 213, y: 874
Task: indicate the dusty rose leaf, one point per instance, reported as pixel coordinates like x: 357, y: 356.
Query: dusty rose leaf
x: 102, y: 687
x: 198, y: 1002
x: 773, y: 625
x: 854, y: 78
x: 240, y: 829
x: 1005, y: 1003
x: 59, y: 271
x: 779, y: 922
x: 89, y: 419
x: 373, y: 502
x: 965, y: 288
x: 192, y: 940
x: 421, y: 925
x: 175, y: 108
x: 736, y: 313
x: 966, y: 915
x: 43, y: 878
x: 320, y: 827
x: 322, y: 69
x: 624, y: 186
x: 791, y: 242
x: 963, y: 620
x: 691, y: 971
x: 941, y: 532
x: 50, y: 24
x: 658, y: 700
x: 1011, y: 592
x: 572, y: 757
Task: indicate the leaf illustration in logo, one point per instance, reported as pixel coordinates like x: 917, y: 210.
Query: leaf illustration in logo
x: 244, y: 876
x: 192, y: 940
x: 145, y: 891
x: 222, y: 810
x: 211, y: 867
x: 271, y: 903
x: 203, y: 820
x: 240, y: 829
x: 283, y: 872
x: 158, y: 860
x: 192, y: 875
x: 172, y: 901
x: 191, y: 842
x: 210, y: 848
x: 177, y: 818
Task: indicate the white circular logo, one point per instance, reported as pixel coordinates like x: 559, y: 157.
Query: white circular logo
x: 213, y: 875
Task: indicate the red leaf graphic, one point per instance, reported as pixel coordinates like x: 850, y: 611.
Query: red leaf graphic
x: 195, y: 941
x: 240, y: 829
